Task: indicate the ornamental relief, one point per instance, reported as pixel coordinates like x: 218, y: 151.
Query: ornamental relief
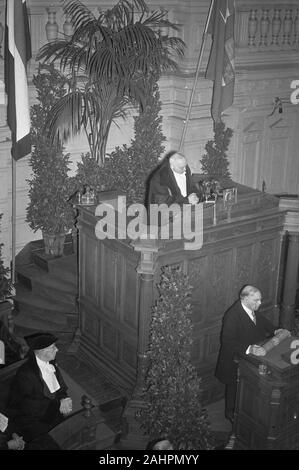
x: 265, y: 268
x: 261, y: 85
x: 266, y: 255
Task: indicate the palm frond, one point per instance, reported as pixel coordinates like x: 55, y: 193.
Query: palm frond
x: 79, y: 13
x: 108, y: 61
x: 65, y: 118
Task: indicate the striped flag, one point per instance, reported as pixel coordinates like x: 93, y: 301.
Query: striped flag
x: 221, y: 68
x: 17, y: 53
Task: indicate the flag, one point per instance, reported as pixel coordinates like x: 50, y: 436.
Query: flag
x: 17, y: 54
x: 221, y: 67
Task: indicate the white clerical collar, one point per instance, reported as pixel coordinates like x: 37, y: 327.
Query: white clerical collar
x: 43, y: 364
x: 48, y: 374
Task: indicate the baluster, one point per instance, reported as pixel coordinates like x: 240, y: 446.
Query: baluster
x: 68, y: 28
x: 252, y: 27
x: 264, y: 27
x: 51, y: 26
x: 276, y: 25
x: 296, y: 28
x: 287, y: 27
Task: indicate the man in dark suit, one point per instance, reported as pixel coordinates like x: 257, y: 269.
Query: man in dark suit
x: 172, y: 182
x: 241, y: 332
x: 38, y: 398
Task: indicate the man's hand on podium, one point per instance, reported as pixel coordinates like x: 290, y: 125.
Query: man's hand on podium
x: 280, y: 330
x: 193, y: 199
x: 257, y: 350
x: 278, y: 334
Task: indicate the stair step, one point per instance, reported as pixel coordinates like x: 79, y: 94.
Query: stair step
x: 34, y: 274
x: 64, y: 264
x: 27, y: 298
x: 59, y: 318
x: 46, y: 285
x: 37, y: 323
x: 56, y: 265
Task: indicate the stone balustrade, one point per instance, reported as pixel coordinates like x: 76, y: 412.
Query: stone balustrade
x: 267, y: 26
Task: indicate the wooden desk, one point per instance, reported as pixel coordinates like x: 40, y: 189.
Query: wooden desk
x: 118, y: 285
x: 267, y: 406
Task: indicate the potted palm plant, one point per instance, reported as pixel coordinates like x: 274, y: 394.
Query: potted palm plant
x: 128, y: 167
x: 49, y: 188
x: 109, y: 59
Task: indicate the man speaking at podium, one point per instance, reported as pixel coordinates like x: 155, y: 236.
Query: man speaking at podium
x: 241, y: 332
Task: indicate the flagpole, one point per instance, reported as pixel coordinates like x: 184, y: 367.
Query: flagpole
x: 13, y: 222
x: 196, y: 75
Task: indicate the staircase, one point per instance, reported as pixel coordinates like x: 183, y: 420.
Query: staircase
x: 46, y: 291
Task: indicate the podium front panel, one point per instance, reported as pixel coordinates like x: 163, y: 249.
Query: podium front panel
x: 267, y: 405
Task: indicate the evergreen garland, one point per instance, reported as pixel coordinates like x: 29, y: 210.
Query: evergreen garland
x: 215, y: 162
x: 173, y: 388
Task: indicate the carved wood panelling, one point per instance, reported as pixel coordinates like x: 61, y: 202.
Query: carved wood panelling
x: 212, y: 343
x: 90, y: 325
x: 243, y: 267
x: 129, y: 311
x: 89, y: 281
x: 109, y: 278
x: 220, y: 280
x: 198, y: 272
x: 128, y: 354
x: 109, y: 339
x: 266, y: 268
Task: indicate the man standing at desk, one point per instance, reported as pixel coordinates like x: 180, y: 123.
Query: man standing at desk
x: 242, y: 330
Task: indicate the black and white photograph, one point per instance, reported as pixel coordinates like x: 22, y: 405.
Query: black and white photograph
x: 149, y: 229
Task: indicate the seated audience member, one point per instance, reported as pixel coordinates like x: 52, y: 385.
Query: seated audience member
x: 159, y: 444
x: 15, y: 347
x: 38, y: 398
x: 10, y: 440
x: 171, y: 182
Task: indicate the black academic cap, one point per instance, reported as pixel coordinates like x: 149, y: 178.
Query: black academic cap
x: 40, y: 340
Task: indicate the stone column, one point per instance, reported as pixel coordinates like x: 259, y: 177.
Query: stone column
x: 291, y: 271
x: 146, y: 270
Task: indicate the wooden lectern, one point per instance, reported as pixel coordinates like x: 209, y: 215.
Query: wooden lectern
x: 267, y: 405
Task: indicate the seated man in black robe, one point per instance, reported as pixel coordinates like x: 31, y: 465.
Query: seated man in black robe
x: 38, y: 398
